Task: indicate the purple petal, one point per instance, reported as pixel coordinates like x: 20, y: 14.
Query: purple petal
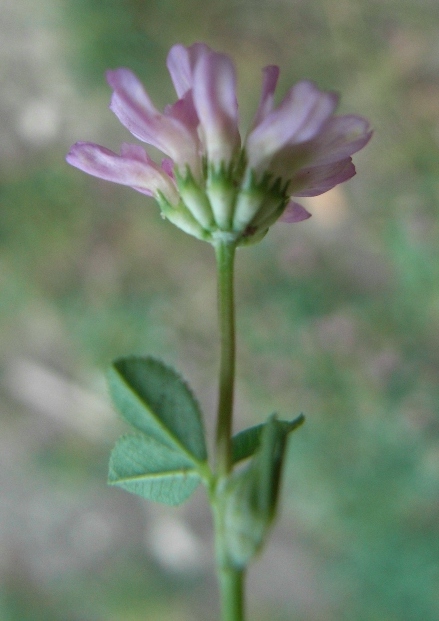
x: 269, y: 81
x: 214, y: 92
x: 301, y: 115
x: 133, y: 168
x: 135, y: 111
x: 134, y: 152
x: 168, y: 167
x: 294, y: 213
x: 181, y: 62
x: 319, y: 179
x: 338, y: 140
x: 342, y: 136
x: 184, y: 111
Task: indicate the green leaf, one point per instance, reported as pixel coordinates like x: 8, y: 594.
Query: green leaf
x: 246, y: 442
x: 155, y: 400
x: 144, y: 466
x: 251, y: 495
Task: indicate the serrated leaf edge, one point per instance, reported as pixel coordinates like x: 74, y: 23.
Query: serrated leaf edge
x: 174, y: 441
x: 202, y: 469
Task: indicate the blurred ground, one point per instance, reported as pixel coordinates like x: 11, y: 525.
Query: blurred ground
x: 338, y: 318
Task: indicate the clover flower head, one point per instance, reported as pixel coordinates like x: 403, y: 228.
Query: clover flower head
x: 211, y: 183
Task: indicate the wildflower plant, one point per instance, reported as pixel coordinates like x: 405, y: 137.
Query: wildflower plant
x: 227, y: 191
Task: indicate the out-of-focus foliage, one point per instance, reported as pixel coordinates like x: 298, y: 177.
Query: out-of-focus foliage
x: 338, y: 318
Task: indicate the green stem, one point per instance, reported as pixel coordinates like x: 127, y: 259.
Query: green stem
x: 231, y: 580
x: 225, y: 253
x: 232, y: 594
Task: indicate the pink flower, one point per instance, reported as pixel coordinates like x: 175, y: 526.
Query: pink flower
x: 209, y: 184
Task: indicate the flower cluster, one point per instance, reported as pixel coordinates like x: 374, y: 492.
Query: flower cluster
x: 211, y: 184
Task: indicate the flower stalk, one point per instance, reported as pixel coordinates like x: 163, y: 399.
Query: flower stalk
x: 225, y: 255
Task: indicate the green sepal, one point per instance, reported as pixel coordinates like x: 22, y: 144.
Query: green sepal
x: 246, y: 442
x: 194, y: 198
x: 144, y: 466
x: 155, y: 400
x: 221, y: 190
x: 181, y: 217
x: 251, y: 495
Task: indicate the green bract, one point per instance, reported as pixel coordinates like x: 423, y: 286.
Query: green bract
x: 251, y: 495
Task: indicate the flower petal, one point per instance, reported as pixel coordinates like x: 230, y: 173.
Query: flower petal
x: 269, y: 81
x: 341, y: 137
x: 299, y: 118
x: 294, y: 213
x: 168, y: 167
x: 184, y: 111
x: 134, y: 152
x: 319, y: 179
x: 136, y: 112
x: 214, y: 92
x: 181, y: 61
x: 133, y: 168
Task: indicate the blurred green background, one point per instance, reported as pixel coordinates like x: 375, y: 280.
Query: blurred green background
x: 338, y: 318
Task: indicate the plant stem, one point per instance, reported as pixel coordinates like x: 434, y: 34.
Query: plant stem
x: 231, y: 580
x: 225, y: 253
x: 232, y: 591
